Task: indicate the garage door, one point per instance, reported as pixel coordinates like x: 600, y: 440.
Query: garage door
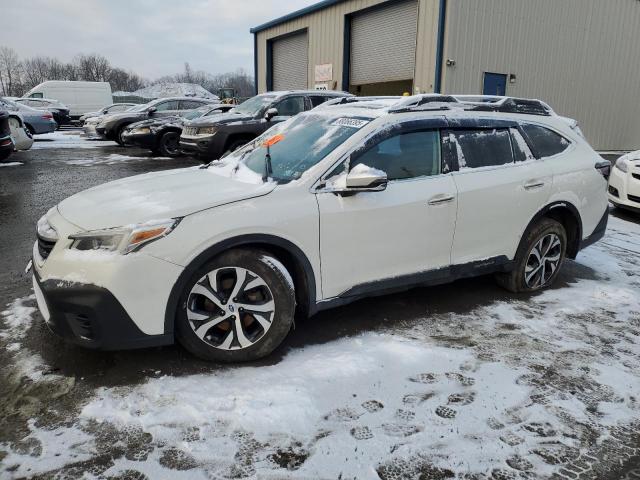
x: 383, y: 44
x: 291, y: 62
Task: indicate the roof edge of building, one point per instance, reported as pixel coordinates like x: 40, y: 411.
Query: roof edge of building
x: 297, y: 14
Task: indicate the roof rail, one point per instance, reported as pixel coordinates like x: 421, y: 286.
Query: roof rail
x: 427, y: 101
x: 492, y: 103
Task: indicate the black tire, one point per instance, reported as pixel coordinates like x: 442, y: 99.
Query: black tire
x: 280, y: 291
x: 119, y: 133
x: 5, y: 154
x: 169, y: 144
x: 31, y: 130
x: 516, y: 280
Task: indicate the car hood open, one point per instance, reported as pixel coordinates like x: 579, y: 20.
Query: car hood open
x: 156, y: 196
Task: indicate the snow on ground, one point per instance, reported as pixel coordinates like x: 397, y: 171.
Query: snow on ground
x: 517, y: 389
x: 67, y: 139
x: 112, y: 159
x: 11, y: 164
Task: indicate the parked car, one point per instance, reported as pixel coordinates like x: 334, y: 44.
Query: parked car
x: 6, y: 142
x: 113, y: 108
x: 22, y: 138
x: 80, y: 96
x: 385, y: 196
x: 162, y: 135
x: 624, y: 182
x: 210, y: 138
x: 59, y: 110
x: 37, y: 121
x: 112, y: 126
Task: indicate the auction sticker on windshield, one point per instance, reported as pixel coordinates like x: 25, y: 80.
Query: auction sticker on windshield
x: 350, y: 122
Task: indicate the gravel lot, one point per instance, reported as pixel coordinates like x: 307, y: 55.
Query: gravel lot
x: 457, y: 381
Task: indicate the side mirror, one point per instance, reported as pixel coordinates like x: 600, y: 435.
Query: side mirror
x: 360, y: 179
x: 269, y: 114
x: 151, y: 110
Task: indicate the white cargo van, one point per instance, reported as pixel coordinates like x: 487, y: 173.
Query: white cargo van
x: 80, y: 97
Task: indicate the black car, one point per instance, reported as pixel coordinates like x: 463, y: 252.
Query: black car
x: 6, y: 143
x: 162, y: 135
x: 111, y: 126
x: 210, y: 138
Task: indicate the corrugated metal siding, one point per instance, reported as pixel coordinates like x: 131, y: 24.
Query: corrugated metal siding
x: 326, y: 41
x: 581, y: 56
x: 383, y: 44
x: 291, y: 62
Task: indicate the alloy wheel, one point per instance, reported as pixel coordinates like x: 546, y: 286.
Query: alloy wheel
x: 230, y: 308
x: 172, y: 144
x: 543, y: 261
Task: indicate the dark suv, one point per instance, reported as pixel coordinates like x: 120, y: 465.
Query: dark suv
x: 209, y: 138
x: 6, y: 144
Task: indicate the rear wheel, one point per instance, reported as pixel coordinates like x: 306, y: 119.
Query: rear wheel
x: 237, y: 307
x: 119, y: 139
x: 169, y: 144
x: 539, y: 259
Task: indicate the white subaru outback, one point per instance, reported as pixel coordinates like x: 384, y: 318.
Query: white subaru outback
x: 331, y: 206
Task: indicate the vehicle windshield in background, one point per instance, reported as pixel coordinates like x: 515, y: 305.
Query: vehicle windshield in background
x: 299, y: 144
x: 254, y: 105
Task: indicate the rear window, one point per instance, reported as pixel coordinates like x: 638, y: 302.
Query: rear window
x: 316, y: 100
x: 544, y: 142
x: 482, y: 147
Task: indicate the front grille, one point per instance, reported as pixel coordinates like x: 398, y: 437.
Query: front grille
x: 633, y: 198
x: 636, y: 176
x: 614, y: 191
x: 190, y: 130
x: 45, y: 247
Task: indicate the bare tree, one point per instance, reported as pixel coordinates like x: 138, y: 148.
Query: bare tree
x: 93, y: 67
x: 9, y: 71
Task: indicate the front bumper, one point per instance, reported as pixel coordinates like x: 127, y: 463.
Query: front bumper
x: 90, y: 316
x: 210, y: 147
x: 144, y: 140
x: 102, y: 300
x: 624, y: 188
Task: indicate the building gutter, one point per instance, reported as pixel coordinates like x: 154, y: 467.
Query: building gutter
x: 442, y: 23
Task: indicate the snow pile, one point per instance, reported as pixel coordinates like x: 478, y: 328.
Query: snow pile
x: 163, y: 90
x: 17, y: 318
x: 232, y: 167
x: 66, y: 140
x: 112, y: 159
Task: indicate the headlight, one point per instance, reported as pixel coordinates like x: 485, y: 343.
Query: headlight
x: 46, y: 231
x: 141, y: 130
x: 622, y: 165
x: 124, y: 239
x: 206, y: 130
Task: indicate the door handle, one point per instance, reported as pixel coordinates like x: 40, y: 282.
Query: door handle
x: 533, y: 184
x: 440, y: 199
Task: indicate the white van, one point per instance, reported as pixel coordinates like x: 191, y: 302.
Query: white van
x: 80, y: 97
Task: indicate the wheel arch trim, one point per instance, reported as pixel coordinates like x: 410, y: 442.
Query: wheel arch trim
x: 243, y: 240
x: 574, y: 247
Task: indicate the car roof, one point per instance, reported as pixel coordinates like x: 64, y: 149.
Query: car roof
x: 321, y: 93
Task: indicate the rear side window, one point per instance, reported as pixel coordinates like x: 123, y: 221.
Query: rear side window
x: 406, y: 155
x: 190, y: 104
x: 482, y: 147
x: 167, y: 106
x: 545, y: 142
x: 315, y: 101
x: 521, y: 150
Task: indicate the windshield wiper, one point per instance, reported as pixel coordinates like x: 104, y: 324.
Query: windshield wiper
x: 268, y: 169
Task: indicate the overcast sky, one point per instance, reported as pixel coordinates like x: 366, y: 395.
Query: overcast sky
x: 151, y: 37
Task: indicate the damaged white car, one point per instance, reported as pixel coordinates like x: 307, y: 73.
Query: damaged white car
x: 326, y: 208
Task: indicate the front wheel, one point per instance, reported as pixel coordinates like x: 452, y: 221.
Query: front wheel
x: 169, y: 144
x: 237, y: 307
x: 539, y: 258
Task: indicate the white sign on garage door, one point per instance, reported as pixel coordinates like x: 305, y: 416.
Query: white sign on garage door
x: 291, y: 62
x: 383, y: 44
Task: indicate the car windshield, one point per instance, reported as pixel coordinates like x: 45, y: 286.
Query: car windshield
x: 254, y: 106
x: 298, y: 144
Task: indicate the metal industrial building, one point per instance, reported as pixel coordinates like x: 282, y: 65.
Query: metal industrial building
x: 581, y: 56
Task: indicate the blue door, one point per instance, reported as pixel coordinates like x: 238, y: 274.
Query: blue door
x: 495, y: 84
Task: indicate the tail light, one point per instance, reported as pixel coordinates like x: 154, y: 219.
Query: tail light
x: 604, y: 168
x: 47, y: 116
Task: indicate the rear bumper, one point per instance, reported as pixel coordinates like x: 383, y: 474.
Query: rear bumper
x: 598, y: 233
x: 90, y: 316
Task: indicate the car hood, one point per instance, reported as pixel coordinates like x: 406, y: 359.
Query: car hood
x: 221, y: 119
x: 156, y: 196
x: 156, y: 122
x: 114, y: 117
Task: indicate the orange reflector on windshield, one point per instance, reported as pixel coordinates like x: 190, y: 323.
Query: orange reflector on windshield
x: 270, y: 142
